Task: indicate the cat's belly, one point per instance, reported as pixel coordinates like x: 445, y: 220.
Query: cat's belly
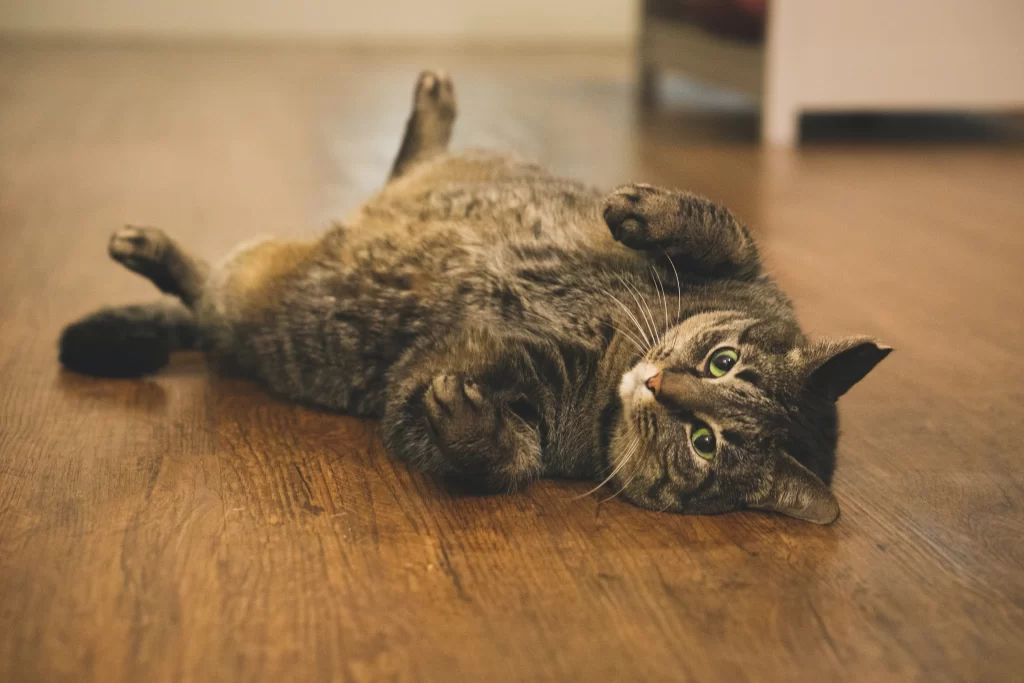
x: 323, y: 322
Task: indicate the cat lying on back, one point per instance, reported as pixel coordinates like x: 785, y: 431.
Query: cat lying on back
x: 507, y: 325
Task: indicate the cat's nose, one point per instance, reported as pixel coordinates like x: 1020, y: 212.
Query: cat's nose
x: 654, y: 383
x: 685, y: 391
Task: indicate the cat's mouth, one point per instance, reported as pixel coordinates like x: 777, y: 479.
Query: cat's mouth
x: 633, y: 387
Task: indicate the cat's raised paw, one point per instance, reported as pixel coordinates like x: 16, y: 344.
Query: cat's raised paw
x: 627, y: 211
x: 646, y: 217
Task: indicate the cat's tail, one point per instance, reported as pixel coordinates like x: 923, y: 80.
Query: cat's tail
x: 128, y: 341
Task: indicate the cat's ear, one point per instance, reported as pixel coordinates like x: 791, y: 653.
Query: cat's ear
x: 834, y: 366
x: 795, y: 491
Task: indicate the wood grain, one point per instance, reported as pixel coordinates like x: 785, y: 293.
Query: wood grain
x: 191, y: 528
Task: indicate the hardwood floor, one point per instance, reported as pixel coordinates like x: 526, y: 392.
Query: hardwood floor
x: 189, y: 527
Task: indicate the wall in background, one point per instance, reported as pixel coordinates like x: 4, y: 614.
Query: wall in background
x: 370, y: 21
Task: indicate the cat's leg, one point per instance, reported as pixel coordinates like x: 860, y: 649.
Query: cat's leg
x: 698, y: 235
x: 429, y: 128
x: 152, y: 254
x: 469, y: 415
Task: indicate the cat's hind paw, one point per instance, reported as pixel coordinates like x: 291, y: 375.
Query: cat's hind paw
x: 435, y: 95
x: 148, y: 252
x: 138, y: 248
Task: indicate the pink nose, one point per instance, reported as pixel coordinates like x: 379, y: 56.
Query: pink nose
x: 654, y: 383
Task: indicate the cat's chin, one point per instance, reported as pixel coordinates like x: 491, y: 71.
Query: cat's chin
x: 633, y: 387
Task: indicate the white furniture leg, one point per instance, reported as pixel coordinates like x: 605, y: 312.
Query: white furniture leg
x: 780, y: 122
x: 780, y: 112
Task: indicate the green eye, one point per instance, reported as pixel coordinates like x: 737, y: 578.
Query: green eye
x: 703, y: 440
x: 722, y: 362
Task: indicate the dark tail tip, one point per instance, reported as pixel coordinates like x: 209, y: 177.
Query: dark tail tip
x: 116, y: 342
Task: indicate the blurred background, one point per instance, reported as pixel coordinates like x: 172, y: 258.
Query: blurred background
x: 387, y: 22
x: 787, y: 57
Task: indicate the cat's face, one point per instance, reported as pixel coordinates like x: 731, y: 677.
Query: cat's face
x: 720, y: 413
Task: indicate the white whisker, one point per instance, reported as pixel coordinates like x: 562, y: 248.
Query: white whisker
x: 637, y: 296
x: 626, y: 458
x: 679, y: 287
x: 623, y: 487
x: 667, y: 505
x: 628, y: 336
x: 650, y: 314
x: 631, y: 317
x: 661, y: 288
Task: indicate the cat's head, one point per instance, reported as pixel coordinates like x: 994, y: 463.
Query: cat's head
x: 726, y: 412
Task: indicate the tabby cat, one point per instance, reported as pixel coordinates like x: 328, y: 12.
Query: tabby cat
x: 507, y: 325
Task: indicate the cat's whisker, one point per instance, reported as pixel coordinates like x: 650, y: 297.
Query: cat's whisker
x: 661, y: 288
x: 648, y: 333
x: 632, y: 317
x: 633, y: 447
x: 679, y: 287
x: 622, y: 462
x: 666, y: 506
x: 647, y: 343
x: 621, y: 488
x: 628, y: 336
x: 640, y: 306
x: 650, y: 314
x: 624, y: 485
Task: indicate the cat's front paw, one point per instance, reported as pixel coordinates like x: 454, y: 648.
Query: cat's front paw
x: 488, y: 440
x: 627, y: 211
x: 457, y: 410
x: 648, y: 217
